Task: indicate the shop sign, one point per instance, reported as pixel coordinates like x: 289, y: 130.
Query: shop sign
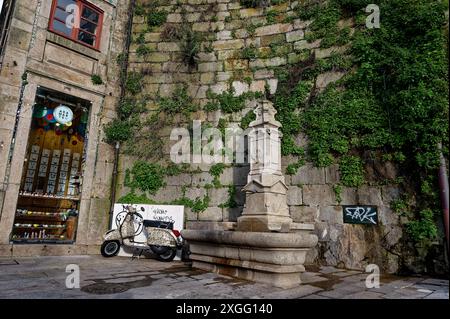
x: 360, y: 215
x: 168, y: 213
x: 63, y: 114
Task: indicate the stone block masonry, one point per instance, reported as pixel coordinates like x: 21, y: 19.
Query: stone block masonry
x: 241, y: 49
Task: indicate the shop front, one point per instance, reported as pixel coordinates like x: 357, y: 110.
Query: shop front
x: 48, y: 203
x: 55, y: 167
x: 57, y: 195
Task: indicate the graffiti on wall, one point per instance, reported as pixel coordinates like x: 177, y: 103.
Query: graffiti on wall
x: 161, y: 214
x: 360, y: 215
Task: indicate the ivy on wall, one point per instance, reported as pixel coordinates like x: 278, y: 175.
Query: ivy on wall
x: 123, y: 128
x: 228, y: 102
x: 146, y: 178
x: 261, y: 3
x: 215, y: 171
x: 394, y: 101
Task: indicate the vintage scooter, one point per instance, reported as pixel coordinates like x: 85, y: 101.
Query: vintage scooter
x: 161, y: 238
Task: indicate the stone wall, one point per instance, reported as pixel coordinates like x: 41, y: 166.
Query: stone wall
x: 279, y: 40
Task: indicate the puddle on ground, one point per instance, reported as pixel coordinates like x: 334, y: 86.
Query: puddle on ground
x: 327, y: 284
x: 312, y: 268
x: 330, y: 279
x: 237, y: 282
x: 333, y: 279
x: 105, y: 288
x: 126, y: 281
x: 122, y: 282
x: 101, y: 287
x: 387, y: 278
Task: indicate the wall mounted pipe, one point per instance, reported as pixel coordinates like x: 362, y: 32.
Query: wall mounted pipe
x: 444, y: 192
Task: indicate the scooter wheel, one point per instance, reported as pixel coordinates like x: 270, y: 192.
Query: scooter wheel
x: 169, y: 255
x: 110, y: 248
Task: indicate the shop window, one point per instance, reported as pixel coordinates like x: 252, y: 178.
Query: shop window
x: 49, y: 197
x: 77, y: 20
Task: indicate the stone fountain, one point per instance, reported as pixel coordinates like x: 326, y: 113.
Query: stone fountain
x: 267, y: 246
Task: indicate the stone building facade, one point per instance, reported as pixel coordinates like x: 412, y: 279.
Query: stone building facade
x: 36, y: 58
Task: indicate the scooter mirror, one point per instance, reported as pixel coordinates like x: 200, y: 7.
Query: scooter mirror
x: 143, y: 209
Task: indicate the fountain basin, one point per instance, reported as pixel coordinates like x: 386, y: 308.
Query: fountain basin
x: 272, y: 258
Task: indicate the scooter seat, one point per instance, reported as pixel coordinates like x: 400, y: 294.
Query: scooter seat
x: 157, y: 224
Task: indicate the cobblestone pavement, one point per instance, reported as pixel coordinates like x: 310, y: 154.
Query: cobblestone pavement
x: 121, y: 277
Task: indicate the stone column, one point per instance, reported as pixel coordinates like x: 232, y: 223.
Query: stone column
x: 266, y: 207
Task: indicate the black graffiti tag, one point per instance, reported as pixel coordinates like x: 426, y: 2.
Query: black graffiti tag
x: 161, y: 215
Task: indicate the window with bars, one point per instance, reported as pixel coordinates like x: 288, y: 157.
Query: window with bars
x: 77, y: 20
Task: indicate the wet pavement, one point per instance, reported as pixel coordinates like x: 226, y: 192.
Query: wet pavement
x: 123, y: 277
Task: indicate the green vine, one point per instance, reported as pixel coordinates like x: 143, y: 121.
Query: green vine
x: 96, y: 79
x: 123, y: 128
x: 132, y: 198
x: 393, y: 99
x: 287, y: 103
x: 133, y: 83
x: 156, y: 18
x: 179, y: 102
x: 352, y: 171
x: 231, y: 202
x: 147, y: 177
x: 197, y: 205
x: 292, y: 169
x: 247, y: 119
x: 118, y: 131
x: 249, y: 53
x: 215, y: 171
x: 143, y: 50
x: 260, y: 3
x: 190, y: 45
x: 228, y: 102
x: 338, y: 193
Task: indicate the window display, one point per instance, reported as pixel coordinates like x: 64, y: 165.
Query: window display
x: 47, y: 209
